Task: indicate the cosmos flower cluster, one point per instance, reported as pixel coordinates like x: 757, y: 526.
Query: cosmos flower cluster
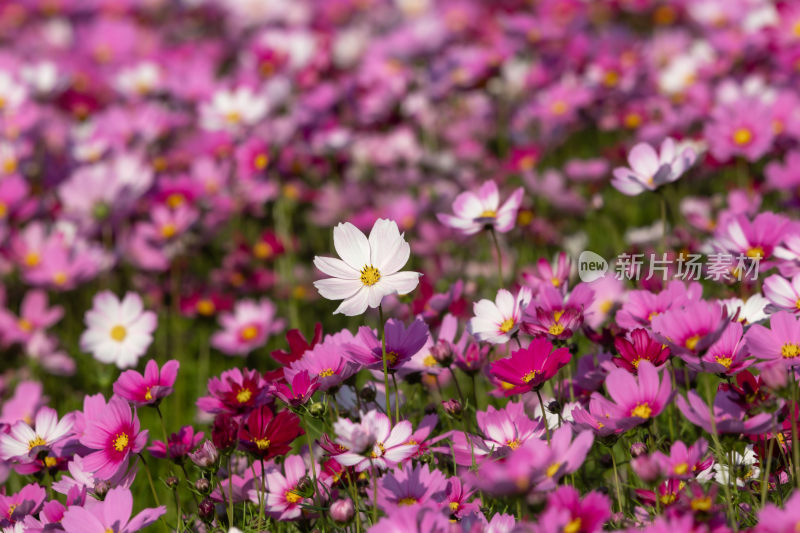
x: 304, y: 265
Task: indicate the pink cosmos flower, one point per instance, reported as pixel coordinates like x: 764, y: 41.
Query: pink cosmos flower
x: 401, y: 343
x: 113, y: 513
x: 529, y: 368
x: 650, y: 169
x: 14, y: 508
x: 283, y: 499
x: 690, y: 329
x: 151, y: 388
x: 640, y: 347
x: 474, y: 212
x: 409, y: 485
x: 327, y: 362
x: 373, y: 441
x: 636, y: 399
x: 742, y: 128
x: 113, y: 436
x: 35, y: 316
x: 248, y: 327
x: 369, y: 268
x: 772, y: 519
x: 502, y: 430
x: 118, y: 331
x: 24, y: 443
x: 754, y: 239
x: 496, y: 322
x: 569, y: 511
x: 555, y: 274
x: 555, y: 314
x: 642, y: 306
x: 235, y: 391
x: 783, y: 293
x: 683, y: 462
x: 726, y: 416
x: 178, y: 445
x: 297, y: 391
x: 728, y: 355
x: 779, y: 343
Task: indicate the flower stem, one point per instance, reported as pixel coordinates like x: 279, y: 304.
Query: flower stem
x: 544, y: 416
x: 385, y: 363
x: 616, y: 481
x: 499, y: 258
x: 374, y: 493
x: 150, y: 480
x: 396, y: 399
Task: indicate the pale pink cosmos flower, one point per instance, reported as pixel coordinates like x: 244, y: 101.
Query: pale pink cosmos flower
x: 650, y: 169
x: 35, y: 315
x: 233, y: 110
x: 248, y: 327
x: 369, y: 268
x: 473, y: 212
x: 118, y: 331
x: 783, y: 293
x: 24, y: 443
x: 111, y: 514
x: 373, y: 441
x: 496, y: 322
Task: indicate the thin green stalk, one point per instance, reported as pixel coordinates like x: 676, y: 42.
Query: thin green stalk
x: 150, y: 480
x: 230, y: 493
x: 385, y: 363
x: 544, y: 416
x: 616, y: 481
x: 374, y: 493
x: 396, y: 399
x: 499, y: 258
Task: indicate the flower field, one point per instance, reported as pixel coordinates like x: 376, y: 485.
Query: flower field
x: 398, y: 266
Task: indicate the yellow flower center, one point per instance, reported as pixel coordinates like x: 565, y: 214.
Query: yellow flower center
x: 556, y: 282
x: 681, y: 468
x: 756, y: 252
x: 24, y: 324
x: 701, y: 504
x: 558, y: 314
x: 118, y: 333
x: 724, y: 361
x: 742, y: 136
x: 233, y: 117
x: 168, y: 230
x: 611, y: 78
x: 292, y: 496
x: 556, y: 329
x: 454, y: 506
x: 3, y: 210
x: 370, y: 275
x: 507, y: 325
x: 32, y: 259
x: 121, y: 442
x: 148, y: 395
x: 391, y: 358
x: 488, y: 213
x: 328, y: 372
x: 429, y: 361
x: 636, y: 362
x: 643, y: 410
x: 249, y: 333
x: 262, y: 444
x: 692, y: 341
x: 559, y: 107
x: 573, y: 526
x: 633, y: 120
x: 37, y: 441
x: 205, y: 307
x: 407, y: 501
x: 667, y: 499
x: 382, y: 449
x: 790, y: 350
x: 527, y: 162
x: 530, y: 376
x: 513, y: 444
x: 796, y: 29
x: 552, y: 469
x: 244, y: 395
x: 261, y: 161
x: 50, y: 462
x: 652, y: 315
x: 175, y: 199
x: 262, y: 250
x: 505, y: 385
x: 10, y: 165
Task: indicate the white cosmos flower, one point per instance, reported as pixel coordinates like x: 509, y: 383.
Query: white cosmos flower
x: 744, y: 467
x: 368, y: 269
x: 118, y: 332
x: 24, y: 442
x: 231, y: 110
x: 496, y: 322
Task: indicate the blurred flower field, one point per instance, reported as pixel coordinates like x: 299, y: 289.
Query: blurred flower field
x: 396, y: 266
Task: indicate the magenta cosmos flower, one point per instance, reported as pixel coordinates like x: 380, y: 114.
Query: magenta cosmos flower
x: 690, y: 329
x: 569, y: 511
x: 327, y: 362
x: 779, y: 343
x: 650, y: 169
x: 284, y: 499
x: 756, y: 239
x: 151, y: 388
x: 401, y: 344
x: 118, y: 332
x: 640, y: 347
x: 234, y: 392
x: 373, y: 441
x: 248, y: 327
x: 727, y: 415
x: 473, y: 212
x: 113, y: 514
x: 178, y: 445
x: 502, y: 430
x: 113, y: 436
x: 635, y: 399
x: 410, y: 485
x: 496, y: 322
x: 728, y: 355
x: 743, y: 128
x: 529, y: 368
x: 369, y: 268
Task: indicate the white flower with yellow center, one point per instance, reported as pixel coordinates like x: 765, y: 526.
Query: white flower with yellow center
x: 118, y: 332
x: 25, y: 442
x: 368, y: 269
x: 496, y: 322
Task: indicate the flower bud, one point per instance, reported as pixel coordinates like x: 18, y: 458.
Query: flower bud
x: 206, y: 509
x: 442, y: 353
x: 317, y: 409
x: 452, y: 408
x: 202, y: 485
x: 342, y: 511
x: 206, y: 455
x: 171, y: 482
x: 101, y: 488
x: 638, y: 449
x: 368, y: 392
x: 646, y: 468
